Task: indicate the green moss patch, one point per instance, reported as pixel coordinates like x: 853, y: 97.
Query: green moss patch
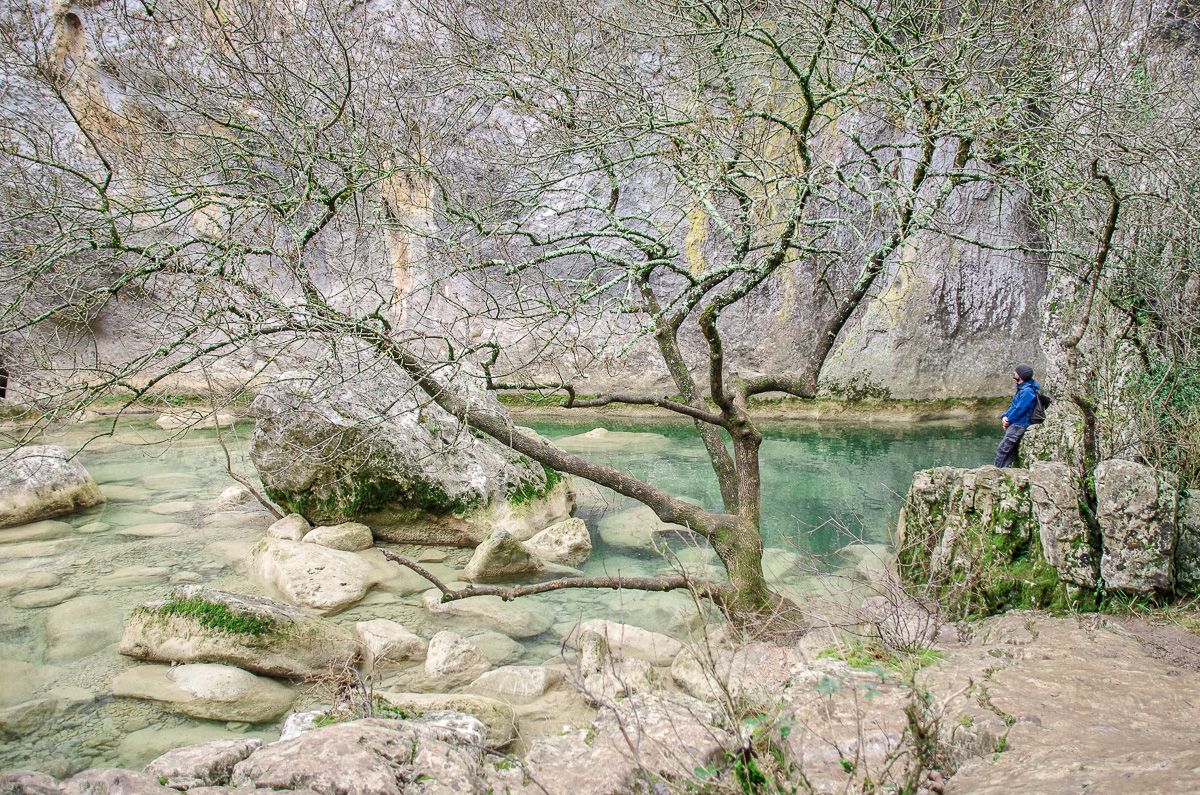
x: 875, y: 657
x: 214, y: 615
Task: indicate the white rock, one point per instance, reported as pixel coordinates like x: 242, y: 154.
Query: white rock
x: 41, y: 482
x: 347, y: 536
x: 454, y: 660
x: 516, y: 684
x: 176, y: 420
x: 626, y: 640
x: 313, y: 576
x: 292, y: 527
x: 386, y: 641
x: 204, y: 690
x: 515, y: 619
x: 565, y: 542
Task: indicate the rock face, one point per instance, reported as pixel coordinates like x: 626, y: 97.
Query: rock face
x: 366, y: 757
x: 205, y: 625
x: 1065, y: 538
x: 313, y: 576
x: 968, y: 538
x: 374, y: 448
x: 985, y: 540
x: 566, y: 542
x: 1136, y: 508
x: 204, y: 690
x: 1187, y: 550
x: 41, y: 482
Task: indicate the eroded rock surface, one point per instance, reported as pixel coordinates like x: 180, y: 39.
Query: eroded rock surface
x: 313, y: 576
x: 1135, y: 507
x: 366, y: 757
x: 567, y: 542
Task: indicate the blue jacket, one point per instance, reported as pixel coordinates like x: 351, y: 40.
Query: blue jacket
x: 1020, y: 411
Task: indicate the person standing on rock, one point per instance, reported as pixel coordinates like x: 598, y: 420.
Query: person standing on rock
x: 1020, y: 413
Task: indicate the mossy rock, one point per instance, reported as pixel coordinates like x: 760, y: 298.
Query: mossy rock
x: 969, y: 539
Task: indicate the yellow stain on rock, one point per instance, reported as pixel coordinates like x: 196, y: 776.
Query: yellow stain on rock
x: 693, y: 242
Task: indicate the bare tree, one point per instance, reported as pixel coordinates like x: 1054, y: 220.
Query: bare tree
x: 664, y: 162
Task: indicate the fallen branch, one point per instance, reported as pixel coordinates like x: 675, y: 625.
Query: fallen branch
x: 714, y: 591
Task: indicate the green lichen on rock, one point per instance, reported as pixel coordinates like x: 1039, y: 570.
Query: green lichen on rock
x: 970, y: 540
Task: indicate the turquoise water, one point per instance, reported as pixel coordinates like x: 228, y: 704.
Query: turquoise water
x: 824, y: 487
x: 821, y: 484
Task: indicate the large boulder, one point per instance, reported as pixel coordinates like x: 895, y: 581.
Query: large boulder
x: 366, y: 757
x: 1136, y: 508
x: 312, y: 576
x: 204, y: 690
x: 200, y: 624
x: 373, y: 448
x: 43, y: 481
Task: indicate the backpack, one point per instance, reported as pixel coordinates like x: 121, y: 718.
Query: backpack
x: 1041, y: 403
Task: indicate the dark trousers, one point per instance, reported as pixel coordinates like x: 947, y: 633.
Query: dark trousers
x: 1006, y: 453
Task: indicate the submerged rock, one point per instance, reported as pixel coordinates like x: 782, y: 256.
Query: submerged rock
x: 205, y: 625
x: 373, y: 448
x: 637, y: 529
x: 206, y: 690
x: 80, y: 627
x: 518, y: 619
x: 313, y: 576
x: 41, y: 482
